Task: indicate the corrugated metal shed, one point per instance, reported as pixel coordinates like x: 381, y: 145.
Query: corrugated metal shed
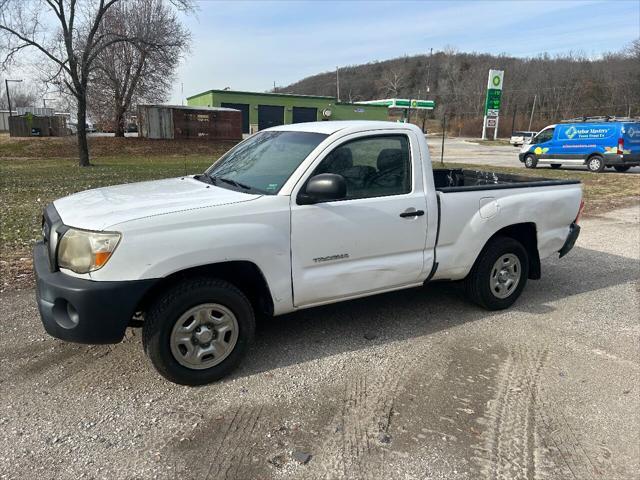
x: 176, y: 121
x: 30, y: 125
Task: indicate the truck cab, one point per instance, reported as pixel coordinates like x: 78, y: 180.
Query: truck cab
x: 596, y: 143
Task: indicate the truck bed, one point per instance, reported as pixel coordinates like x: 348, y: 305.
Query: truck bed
x: 463, y: 180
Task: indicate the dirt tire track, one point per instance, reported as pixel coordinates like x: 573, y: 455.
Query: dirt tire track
x: 201, y: 447
x: 510, y: 440
x: 526, y: 437
x: 355, y: 450
x: 232, y: 446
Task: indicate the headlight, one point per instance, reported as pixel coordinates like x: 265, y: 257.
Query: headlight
x: 82, y: 251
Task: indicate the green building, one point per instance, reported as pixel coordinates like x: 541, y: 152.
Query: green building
x: 264, y: 110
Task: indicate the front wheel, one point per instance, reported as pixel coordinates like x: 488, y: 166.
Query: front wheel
x: 198, y: 331
x: 595, y: 164
x: 499, y: 274
x: 622, y: 168
x: 530, y: 161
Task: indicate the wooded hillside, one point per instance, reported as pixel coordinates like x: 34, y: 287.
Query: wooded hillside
x: 564, y: 86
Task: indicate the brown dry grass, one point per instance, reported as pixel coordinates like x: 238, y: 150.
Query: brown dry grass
x: 66, y: 147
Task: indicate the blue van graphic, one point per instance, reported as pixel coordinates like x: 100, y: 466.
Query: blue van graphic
x: 596, y: 144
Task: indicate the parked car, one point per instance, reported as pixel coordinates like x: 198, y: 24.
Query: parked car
x: 521, y: 137
x: 293, y: 217
x: 596, y: 144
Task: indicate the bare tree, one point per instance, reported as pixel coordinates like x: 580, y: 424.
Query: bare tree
x: 139, y: 71
x: 21, y: 96
x: 393, y: 81
x: 67, y: 34
x: 565, y: 86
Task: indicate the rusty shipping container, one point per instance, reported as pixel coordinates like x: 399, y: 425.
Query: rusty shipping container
x: 176, y: 122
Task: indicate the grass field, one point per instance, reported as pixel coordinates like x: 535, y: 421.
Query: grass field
x: 28, y: 183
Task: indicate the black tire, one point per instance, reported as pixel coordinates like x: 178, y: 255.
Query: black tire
x: 595, y: 163
x: 621, y: 168
x: 478, y: 282
x: 167, y: 309
x: 556, y: 165
x: 530, y: 161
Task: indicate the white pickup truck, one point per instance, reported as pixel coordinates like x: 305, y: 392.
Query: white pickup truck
x: 293, y: 217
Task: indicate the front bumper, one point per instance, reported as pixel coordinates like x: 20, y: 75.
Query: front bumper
x: 84, y: 311
x: 574, y: 232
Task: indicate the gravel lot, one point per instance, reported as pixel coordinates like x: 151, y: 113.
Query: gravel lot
x: 411, y: 385
x: 468, y: 150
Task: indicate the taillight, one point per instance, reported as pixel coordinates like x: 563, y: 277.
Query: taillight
x: 579, y: 212
x: 620, y: 146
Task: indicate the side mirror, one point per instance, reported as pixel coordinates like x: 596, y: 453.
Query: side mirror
x: 323, y: 188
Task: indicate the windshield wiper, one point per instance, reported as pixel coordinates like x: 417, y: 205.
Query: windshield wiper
x: 206, y: 178
x: 234, y: 183
x: 211, y: 179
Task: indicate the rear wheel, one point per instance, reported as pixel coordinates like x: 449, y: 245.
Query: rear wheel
x: 595, y: 164
x: 198, y: 331
x: 499, y: 274
x: 621, y: 168
x: 530, y: 161
x: 556, y: 165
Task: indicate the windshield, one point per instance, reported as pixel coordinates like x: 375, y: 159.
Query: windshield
x: 265, y: 161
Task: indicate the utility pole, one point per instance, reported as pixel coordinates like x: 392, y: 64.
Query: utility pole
x: 429, y: 69
x: 513, y: 119
x: 532, y: 110
x: 6, y: 84
x: 337, y: 84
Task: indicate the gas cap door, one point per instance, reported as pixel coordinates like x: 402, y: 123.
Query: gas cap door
x: 488, y: 207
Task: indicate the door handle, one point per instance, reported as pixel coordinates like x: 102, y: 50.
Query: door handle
x: 412, y: 213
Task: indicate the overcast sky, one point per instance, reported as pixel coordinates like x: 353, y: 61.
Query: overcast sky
x: 247, y: 45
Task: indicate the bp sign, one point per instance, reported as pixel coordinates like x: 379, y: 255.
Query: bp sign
x: 495, y: 79
x: 494, y: 93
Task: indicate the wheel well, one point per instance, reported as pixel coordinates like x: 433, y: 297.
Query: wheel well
x: 245, y: 275
x: 525, y: 233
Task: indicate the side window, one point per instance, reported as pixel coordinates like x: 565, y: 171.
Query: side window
x: 372, y: 167
x: 545, y: 136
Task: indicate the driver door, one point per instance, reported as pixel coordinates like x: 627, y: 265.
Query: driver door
x: 362, y: 244
x: 543, y: 147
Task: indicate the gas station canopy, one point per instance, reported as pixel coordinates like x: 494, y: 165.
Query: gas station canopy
x: 403, y: 103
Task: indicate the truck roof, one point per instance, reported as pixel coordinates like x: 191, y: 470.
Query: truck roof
x: 330, y: 127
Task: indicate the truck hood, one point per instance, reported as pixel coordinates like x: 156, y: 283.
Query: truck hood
x: 101, y: 208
